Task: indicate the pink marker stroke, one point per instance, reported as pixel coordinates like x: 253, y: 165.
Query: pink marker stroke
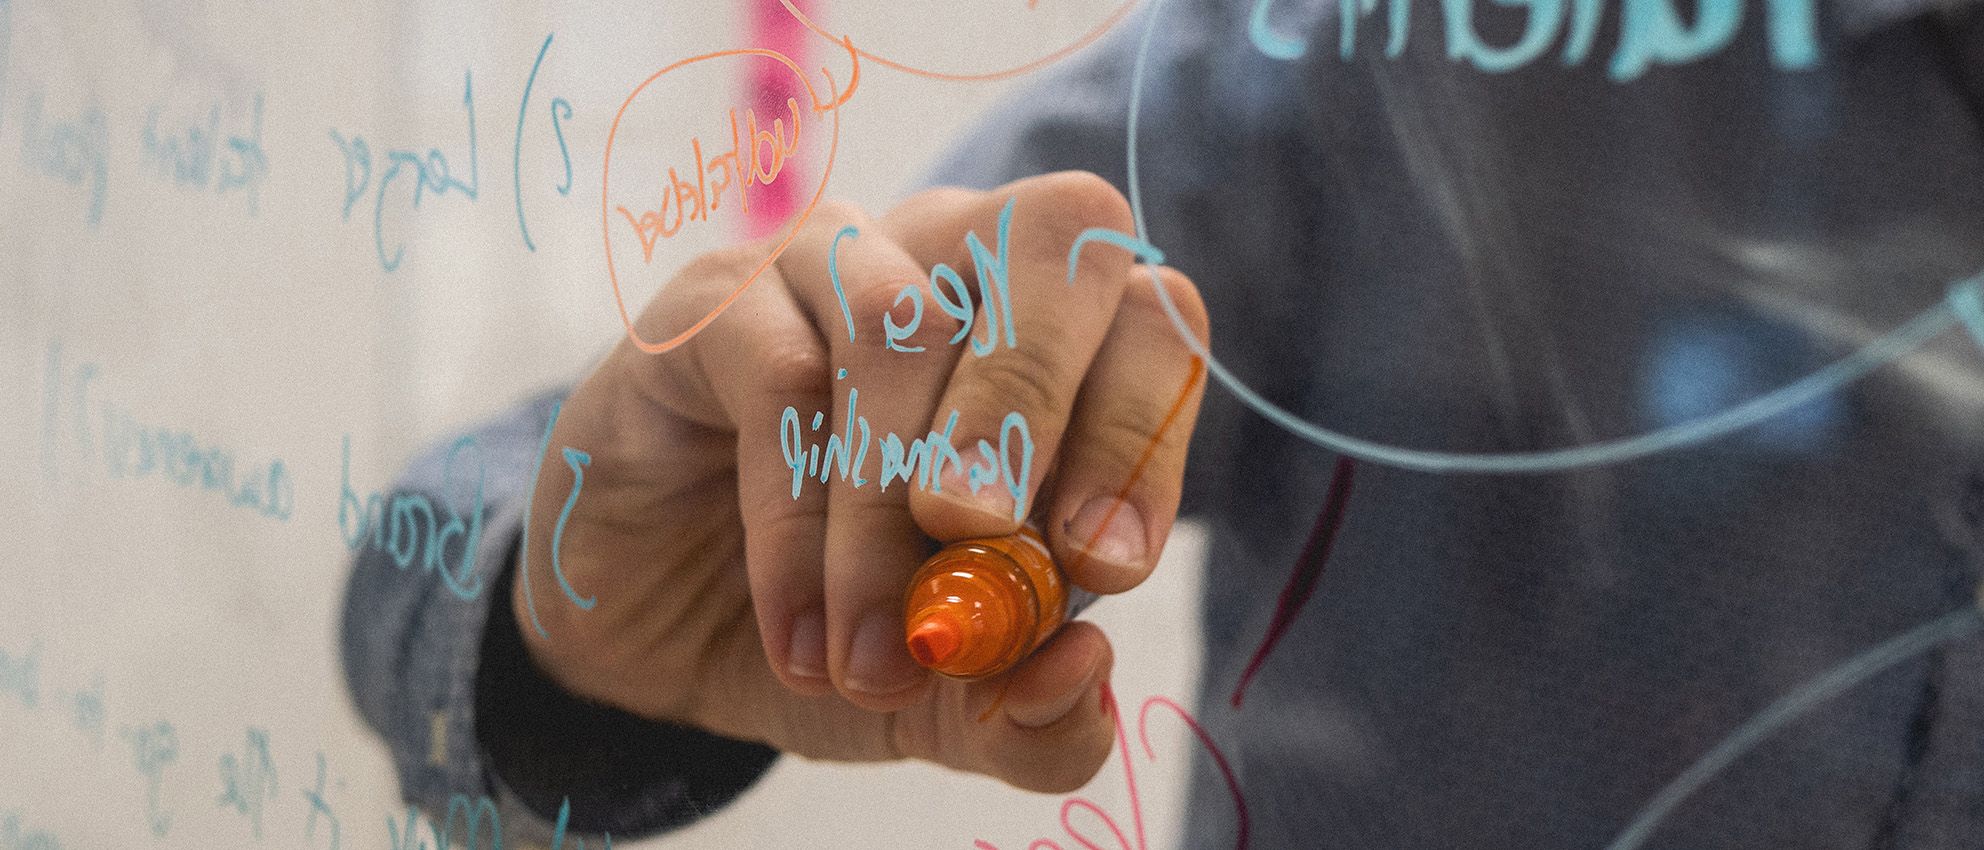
x: 1069, y: 806
x: 1308, y: 570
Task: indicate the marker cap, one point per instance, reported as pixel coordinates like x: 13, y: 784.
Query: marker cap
x: 979, y: 606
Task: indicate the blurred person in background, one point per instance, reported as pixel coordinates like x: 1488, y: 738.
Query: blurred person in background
x: 1473, y: 228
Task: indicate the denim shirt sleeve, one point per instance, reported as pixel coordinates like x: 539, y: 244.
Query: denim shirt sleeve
x: 437, y: 667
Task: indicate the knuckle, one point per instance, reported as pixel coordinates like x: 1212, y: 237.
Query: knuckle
x: 831, y: 215
x: 693, y: 292
x: 938, y: 198
x: 1116, y: 440
x: 869, y: 299
x: 793, y: 370
x: 726, y: 263
x: 1073, y: 201
x: 1028, y: 379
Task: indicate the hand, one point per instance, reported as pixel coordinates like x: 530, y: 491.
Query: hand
x: 727, y: 604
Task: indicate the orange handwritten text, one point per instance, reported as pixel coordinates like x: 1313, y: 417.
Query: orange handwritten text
x: 1069, y: 806
x: 756, y: 157
x: 829, y: 105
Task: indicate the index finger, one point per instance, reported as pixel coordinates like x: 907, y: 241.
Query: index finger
x: 1031, y: 340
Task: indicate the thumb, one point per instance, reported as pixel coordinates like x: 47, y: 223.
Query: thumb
x: 1048, y: 727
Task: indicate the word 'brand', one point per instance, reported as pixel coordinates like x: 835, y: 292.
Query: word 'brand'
x: 409, y: 528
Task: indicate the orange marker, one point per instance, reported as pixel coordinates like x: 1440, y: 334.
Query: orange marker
x: 979, y: 606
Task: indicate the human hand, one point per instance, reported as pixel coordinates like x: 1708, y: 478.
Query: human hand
x: 729, y: 604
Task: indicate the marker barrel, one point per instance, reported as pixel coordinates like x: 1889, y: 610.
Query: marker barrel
x: 979, y: 606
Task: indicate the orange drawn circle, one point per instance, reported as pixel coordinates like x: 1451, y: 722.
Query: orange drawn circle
x: 606, y: 195
x: 1087, y: 38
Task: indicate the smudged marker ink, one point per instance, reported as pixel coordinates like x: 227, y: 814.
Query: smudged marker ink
x: 1308, y: 570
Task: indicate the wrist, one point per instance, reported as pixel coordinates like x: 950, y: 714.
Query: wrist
x: 621, y: 773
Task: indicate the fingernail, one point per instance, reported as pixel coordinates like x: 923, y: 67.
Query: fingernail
x: 1047, y: 714
x: 807, y: 657
x: 991, y: 498
x: 881, y: 664
x: 1120, y: 545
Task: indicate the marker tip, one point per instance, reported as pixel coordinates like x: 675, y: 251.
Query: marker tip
x: 935, y: 641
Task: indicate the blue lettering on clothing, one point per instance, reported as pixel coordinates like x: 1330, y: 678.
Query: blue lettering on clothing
x: 1651, y: 32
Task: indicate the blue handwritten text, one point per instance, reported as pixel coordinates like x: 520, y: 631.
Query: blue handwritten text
x: 410, y: 529
x: 430, y: 171
x: 198, y: 157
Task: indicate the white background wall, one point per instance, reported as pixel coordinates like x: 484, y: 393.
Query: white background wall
x: 272, y: 331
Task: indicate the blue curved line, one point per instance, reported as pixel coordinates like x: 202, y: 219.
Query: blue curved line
x: 1143, y: 251
x: 517, y: 156
x: 564, y: 151
x: 1967, y: 303
x: 1791, y: 706
x: 1882, y: 350
x: 833, y: 274
x: 578, y: 461
x: 530, y: 495
x: 1841, y: 372
x: 1274, y: 45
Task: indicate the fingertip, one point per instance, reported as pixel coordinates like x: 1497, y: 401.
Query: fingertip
x: 1179, y: 290
x: 876, y: 671
x: 1049, y: 686
x: 801, y: 663
x: 1066, y: 686
x: 1104, y: 544
x: 1070, y: 202
x: 952, y: 512
x: 1077, y: 755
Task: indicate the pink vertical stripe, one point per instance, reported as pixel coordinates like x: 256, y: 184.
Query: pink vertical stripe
x: 768, y: 84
